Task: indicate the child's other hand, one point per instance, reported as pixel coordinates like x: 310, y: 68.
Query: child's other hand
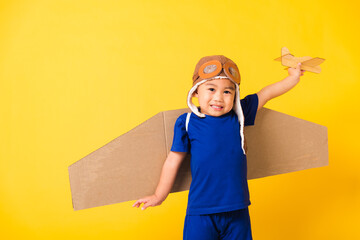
x: 296, y: 72
x: 148, y: 201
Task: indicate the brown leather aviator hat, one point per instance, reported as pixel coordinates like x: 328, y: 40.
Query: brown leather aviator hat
x: 217, y: 67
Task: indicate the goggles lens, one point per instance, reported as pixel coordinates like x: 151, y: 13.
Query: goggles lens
x: 210, y: 68
x: 233, y: 72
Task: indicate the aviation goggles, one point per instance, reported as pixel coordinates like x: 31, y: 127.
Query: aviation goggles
x: 213, y: 68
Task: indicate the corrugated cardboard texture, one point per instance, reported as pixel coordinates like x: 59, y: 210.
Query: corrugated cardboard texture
x: 129, y: 167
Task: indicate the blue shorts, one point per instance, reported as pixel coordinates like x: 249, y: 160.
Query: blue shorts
x: 226, y: 225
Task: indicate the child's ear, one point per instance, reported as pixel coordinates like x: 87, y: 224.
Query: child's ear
x: 195, y: 94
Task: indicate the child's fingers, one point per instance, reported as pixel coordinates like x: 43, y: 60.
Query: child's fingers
x: 136, y: 204
x: 139, y: 202
x: 146, y: 205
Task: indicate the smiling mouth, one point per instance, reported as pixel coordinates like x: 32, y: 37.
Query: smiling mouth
x: 215, y: 107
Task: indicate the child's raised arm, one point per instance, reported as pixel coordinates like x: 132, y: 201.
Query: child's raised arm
x: 167, y: 179
x: 281, y: 87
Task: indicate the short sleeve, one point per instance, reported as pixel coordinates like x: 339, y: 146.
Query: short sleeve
x: 181, y: 139
x: 249, y: 106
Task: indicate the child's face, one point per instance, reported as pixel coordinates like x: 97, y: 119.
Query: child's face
x: 216, y: 97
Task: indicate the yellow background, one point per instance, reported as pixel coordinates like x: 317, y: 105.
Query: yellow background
x: 74, y: 75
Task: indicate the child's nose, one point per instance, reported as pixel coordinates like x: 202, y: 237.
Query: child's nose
x: 218, y: 96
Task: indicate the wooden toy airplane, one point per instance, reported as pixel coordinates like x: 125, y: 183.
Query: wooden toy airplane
x: 307, y: 63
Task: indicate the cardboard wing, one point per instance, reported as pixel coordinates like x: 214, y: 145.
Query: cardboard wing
x: 129, y: 167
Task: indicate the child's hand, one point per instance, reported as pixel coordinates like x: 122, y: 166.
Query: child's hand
x: 149, y: 201
x: 296, y: 72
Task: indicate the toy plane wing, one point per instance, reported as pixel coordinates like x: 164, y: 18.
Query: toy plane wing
x: 129, y: 167
x: 307, y: 63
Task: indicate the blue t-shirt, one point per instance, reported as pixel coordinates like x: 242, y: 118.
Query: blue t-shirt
x: 218, y: 164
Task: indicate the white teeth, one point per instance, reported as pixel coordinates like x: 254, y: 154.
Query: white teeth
x: 216, y: 107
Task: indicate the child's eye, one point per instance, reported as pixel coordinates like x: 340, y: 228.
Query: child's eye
x: 211, y: 89
x: 227, y: 92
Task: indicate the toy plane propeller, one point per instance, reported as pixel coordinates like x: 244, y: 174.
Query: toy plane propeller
x: 307, y: 63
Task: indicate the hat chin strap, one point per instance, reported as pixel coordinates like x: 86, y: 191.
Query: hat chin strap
x: 237, y: 106
x: 190, y: 104
x: 238, y: 110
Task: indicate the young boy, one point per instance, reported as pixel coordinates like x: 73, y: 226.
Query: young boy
x: 213, y: 133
